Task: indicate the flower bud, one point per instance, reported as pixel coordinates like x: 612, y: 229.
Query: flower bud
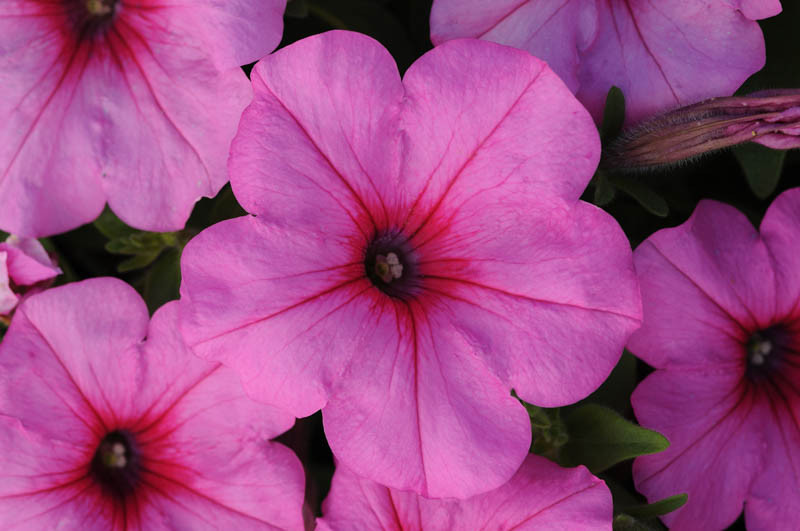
x: 771, y: 118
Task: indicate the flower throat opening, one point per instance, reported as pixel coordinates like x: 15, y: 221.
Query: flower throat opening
x: 91, y: 18
x: 116, y: 464
x: 767, y: 350
x: 391, y: 265
x: 101, y: 8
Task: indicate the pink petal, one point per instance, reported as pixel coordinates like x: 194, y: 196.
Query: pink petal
x: 7, y: 298
x: 84, y: 375
x: 50, y: 175
x: 417, y: 410
x: 548, y: 300
x: 705, y: 285
x: 683, y: 324
x: 28, y: 262
x: 541, y: 495
x: 756, y: 9
x: 667, y: 54
x: 714, y: 426
x: 185, y: 112
x: 176, y: 387
x: 528, y: 133
x: 38, y: 493
x: 257, y: 488
x: 781, y: 140
x: 781, y: 232
x: 235, y: 32
x: 269, y: 301
x: 553, y: 30
x: 773, y: 495
x: 319, y: 144
x: 197, y: 413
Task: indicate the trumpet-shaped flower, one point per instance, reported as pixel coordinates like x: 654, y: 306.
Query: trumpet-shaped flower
x: 661, y: 54
x: 24, y: 267
x: 541, y: 495
x: 102, y: 430
x: 722, y: 328
x: 418, y: 250
x: 133, y: 102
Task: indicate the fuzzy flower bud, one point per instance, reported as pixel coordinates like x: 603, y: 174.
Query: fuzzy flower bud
x: 771, y: 118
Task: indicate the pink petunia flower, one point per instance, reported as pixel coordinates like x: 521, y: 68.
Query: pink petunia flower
x: 661, y: 54
x: 722, y: 328
x: 25, y: 267
x: 133, y: 102
x: 418, y: 249
x: 101, y: 430
x: 541, y: 495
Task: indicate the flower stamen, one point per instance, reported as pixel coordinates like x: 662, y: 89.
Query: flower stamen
x: 100, y: 8
x: 758, y: 349
x: 116, y: 463
x: 388, y: 267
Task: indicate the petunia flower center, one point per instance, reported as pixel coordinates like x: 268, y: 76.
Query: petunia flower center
x: 767, y: 350
x: 758, y: 348
x: 101, y: 8
x: 388, y: 267
x: 391, y: 265
x: 116, y: 464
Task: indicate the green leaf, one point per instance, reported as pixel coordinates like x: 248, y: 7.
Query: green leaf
x: 613, y: 114
x: 137, y: 261
x: 599, y: 438
x: 761, y: 165
x: 162, y: 281
x: 624, y: 522
x: 111, y: 226
x: 659, y: 508
x: 616, y: 390
x: 604, y: 191
x: 643, y: 194
x: 3, y: 236
x: 297, y: 9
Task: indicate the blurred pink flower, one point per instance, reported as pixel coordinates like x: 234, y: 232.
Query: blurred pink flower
x: 100, y: 429
x: 418, y: 249
x: 661, y: 54
x: 722, y: 328
x: 24, y: 267
x: 541, y: 495
x: 130, y: 101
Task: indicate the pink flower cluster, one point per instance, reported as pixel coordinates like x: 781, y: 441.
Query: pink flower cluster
x: 418, y: 249
x: 415, y: 251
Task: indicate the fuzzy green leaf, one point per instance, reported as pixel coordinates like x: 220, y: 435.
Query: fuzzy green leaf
x: 604, y: 191
x: 613, y: 114
x: 762, y: 167
x: 659, y: 508
x: 599, y: 438
x: 137, y: 262
x: 643, y: 194
x: 111, y: 226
